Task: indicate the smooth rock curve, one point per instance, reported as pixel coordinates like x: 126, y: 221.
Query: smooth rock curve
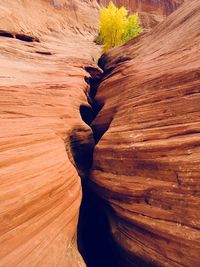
x: 42, y: 86
x: 147, y: 163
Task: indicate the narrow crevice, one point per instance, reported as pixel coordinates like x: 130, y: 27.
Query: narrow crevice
x: 98, y: 132
x: 81, y: 148
x: 45, y: 53
x: 94, y: 80
x: 96, y: 77
x: 26, y: 38
x: 6, y: 34
x: 81, y: 139
x: 19, y: 36
x: 87, y: 114
x: 95, y: 241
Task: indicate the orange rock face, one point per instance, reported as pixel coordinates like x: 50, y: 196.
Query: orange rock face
x: 155, y: 7
x: 43, y: 17
x: 42, y: 87
x: 147, y: 163
x: 151, y: 12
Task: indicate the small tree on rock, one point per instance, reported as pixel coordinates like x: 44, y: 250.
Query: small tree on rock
x: 116, y: 27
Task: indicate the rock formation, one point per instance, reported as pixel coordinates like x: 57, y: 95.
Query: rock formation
x: 151, y: 12
x: 147, y: 159
x: 49, y: 16
x: 43, y: 55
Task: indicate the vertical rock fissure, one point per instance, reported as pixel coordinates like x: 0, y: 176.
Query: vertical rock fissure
x: 94, y: 235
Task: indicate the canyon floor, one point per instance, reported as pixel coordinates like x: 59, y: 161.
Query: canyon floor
x: 121, y: 137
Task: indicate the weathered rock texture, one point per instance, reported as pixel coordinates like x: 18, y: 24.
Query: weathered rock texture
x: 47, y: 16
x: 151, y: 11
x: 147, y: 164
x: 42, y: 87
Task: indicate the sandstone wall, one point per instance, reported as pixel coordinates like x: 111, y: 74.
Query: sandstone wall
x: 43, y: 17
x: 42, y: 87
x: 147, y: 163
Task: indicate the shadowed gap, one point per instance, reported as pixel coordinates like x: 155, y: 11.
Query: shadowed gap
x: 95, y: 241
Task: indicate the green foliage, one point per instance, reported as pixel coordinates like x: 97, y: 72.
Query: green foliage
x: 98, y: 40
x: 133, y: 28
x: 116, y: 27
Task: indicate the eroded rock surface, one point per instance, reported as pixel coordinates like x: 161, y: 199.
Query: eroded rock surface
x: 151, y: 12
x: 42, y: 87
x: 49, y: 16
x: 147, y: 163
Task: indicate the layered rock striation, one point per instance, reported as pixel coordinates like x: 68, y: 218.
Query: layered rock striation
x: 44, y: 49
x: 44, y: 17
x: 147, y: 157
x: 146, y: 161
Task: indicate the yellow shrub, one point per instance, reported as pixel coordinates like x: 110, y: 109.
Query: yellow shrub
x: 116, y: 27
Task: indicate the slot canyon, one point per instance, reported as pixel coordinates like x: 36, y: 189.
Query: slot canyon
x: 99, y: 154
